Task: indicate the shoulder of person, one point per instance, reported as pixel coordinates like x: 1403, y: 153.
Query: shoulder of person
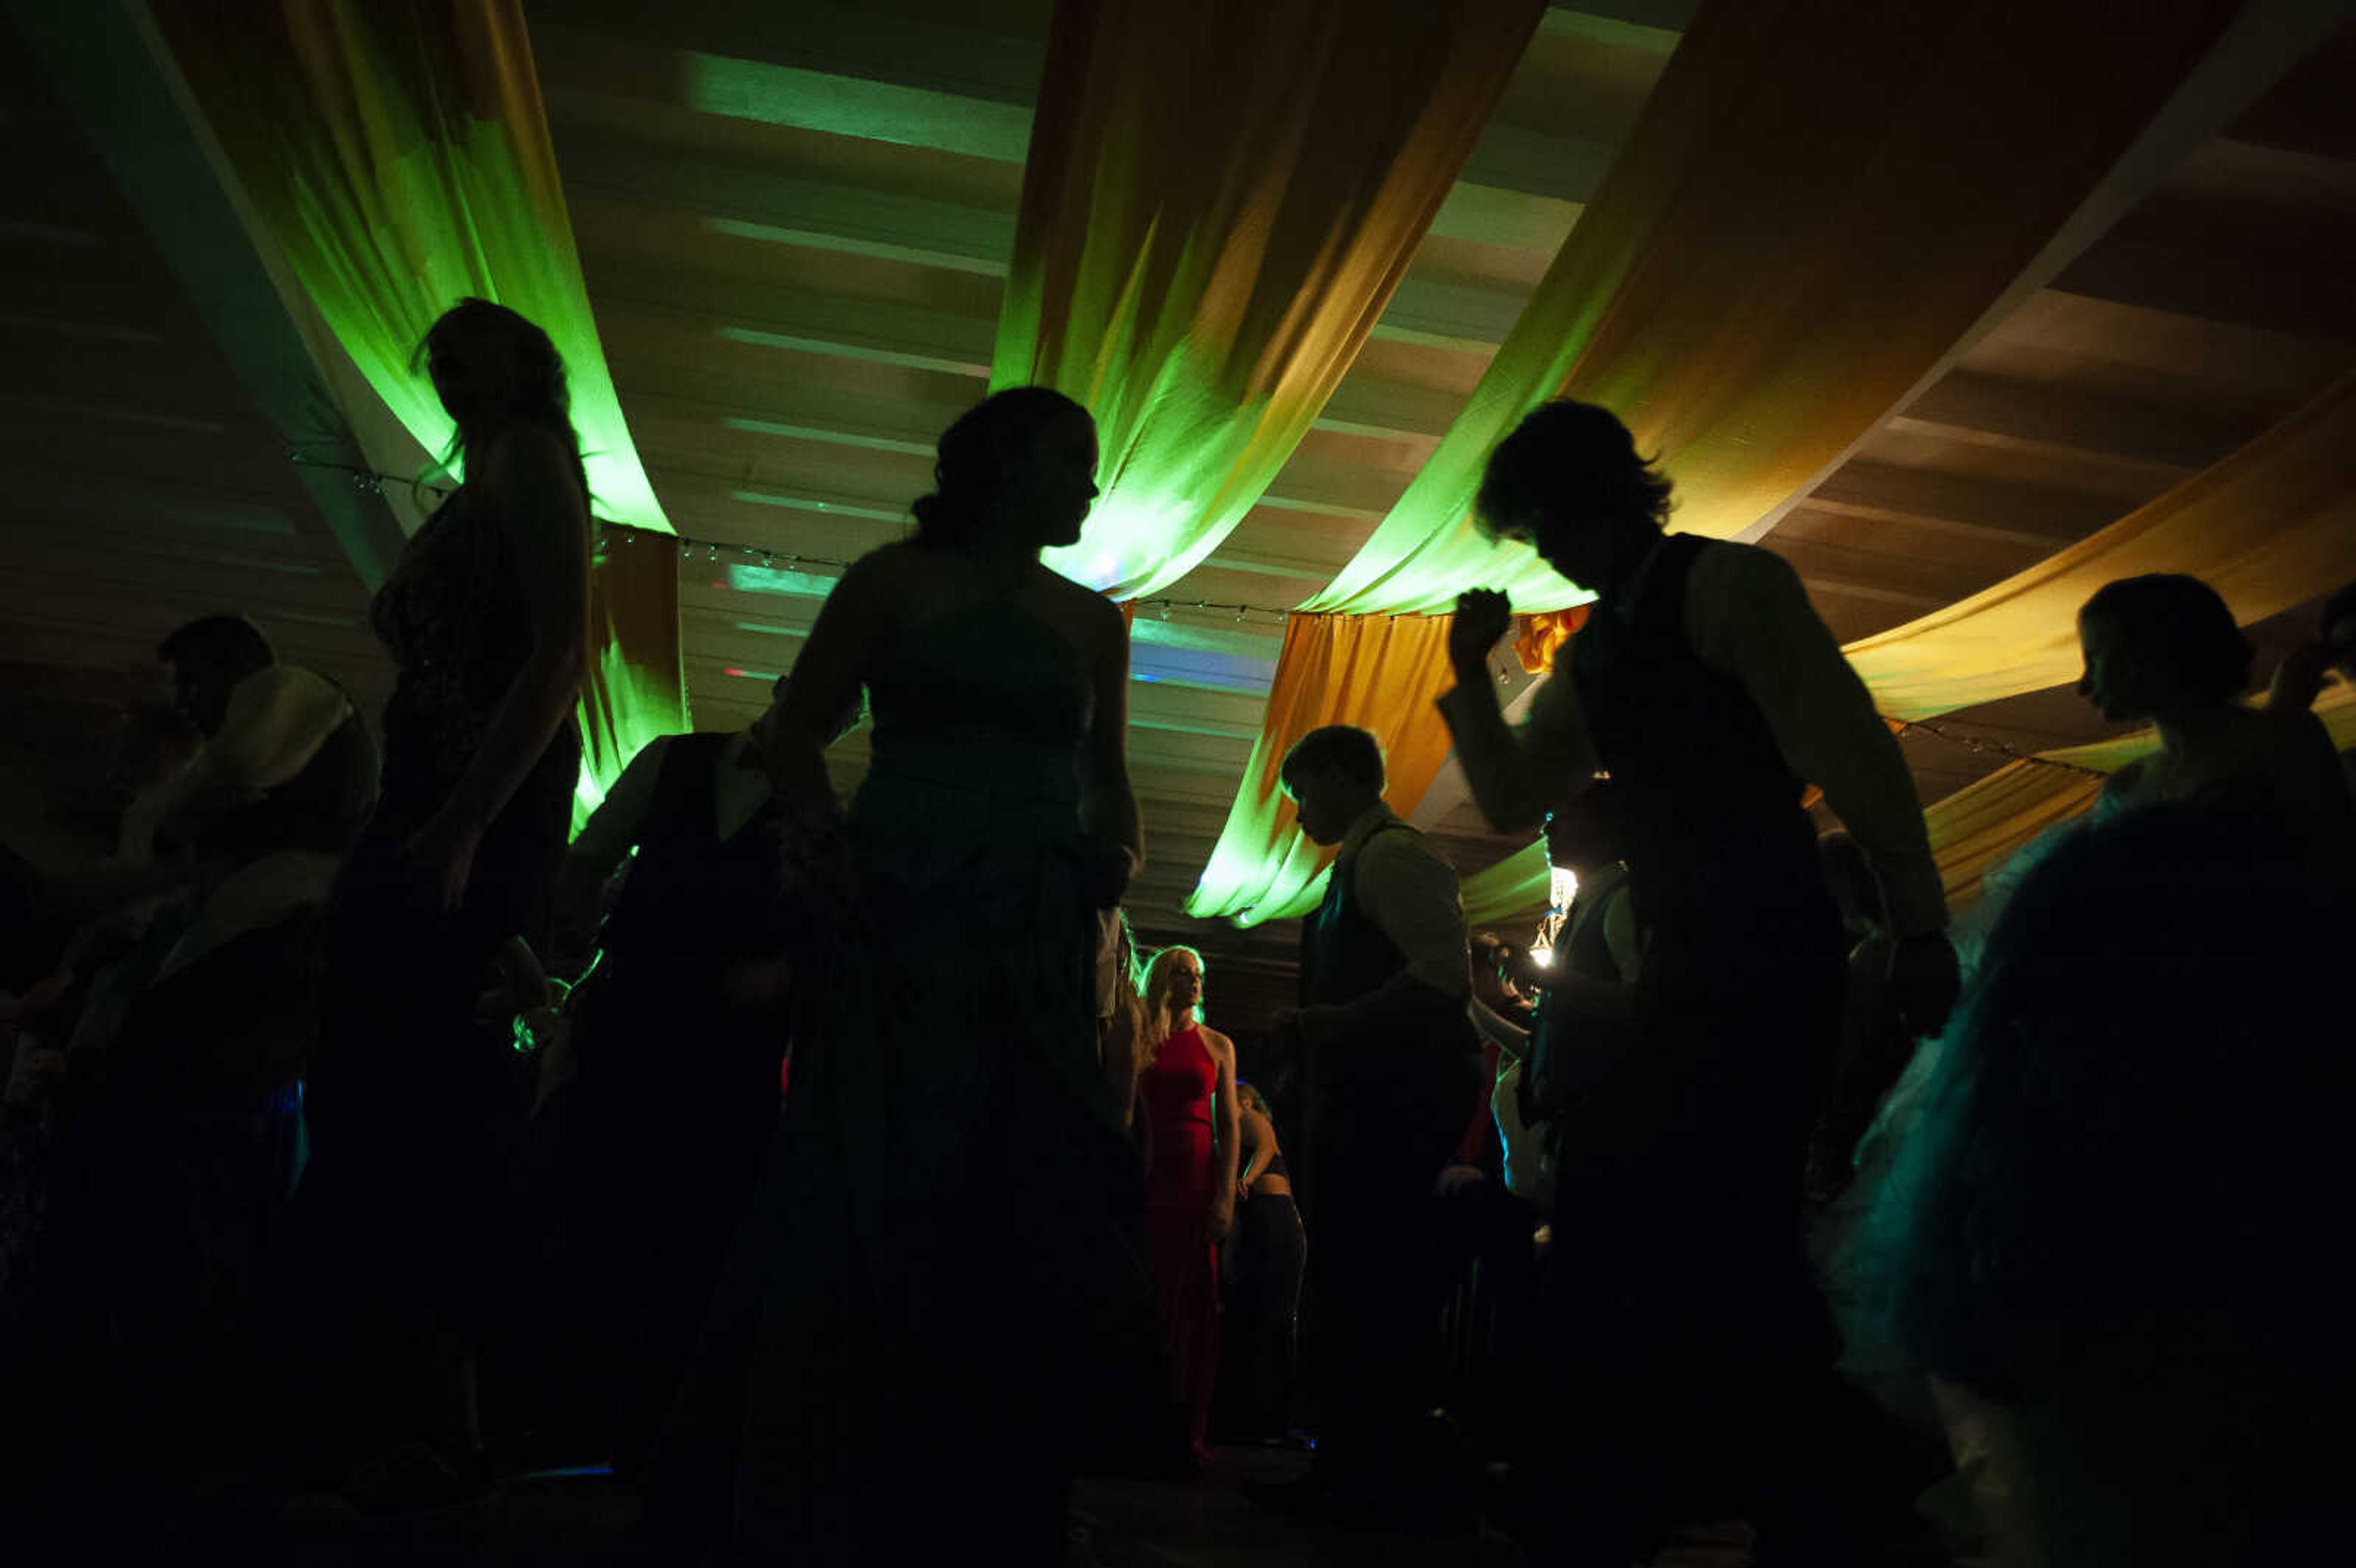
x: 1099, y: 617
x: 2124, y: 781
x: 528, y: 451
x: 1746, y: 568
x: 1219, y: 1044
x: 1398, y: 841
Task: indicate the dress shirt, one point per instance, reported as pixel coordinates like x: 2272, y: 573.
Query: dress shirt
x: 1747, y: 617
x: 276, y: 721
x: 1410, y: 895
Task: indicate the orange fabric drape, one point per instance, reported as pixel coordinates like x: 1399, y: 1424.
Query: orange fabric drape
x: 2269, y: 527
x: 1219, y: 200
x: 1985, y: 824
x: 634, y: 656
x: 1537, y: 638
x: 1379, y: 672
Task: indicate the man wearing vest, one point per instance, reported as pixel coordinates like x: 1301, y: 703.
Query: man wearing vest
x: 1392, y: 1072
x: 1705, y: 686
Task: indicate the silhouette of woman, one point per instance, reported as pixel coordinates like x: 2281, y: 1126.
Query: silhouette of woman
x: 486, y: 616
x: 937, y: 1256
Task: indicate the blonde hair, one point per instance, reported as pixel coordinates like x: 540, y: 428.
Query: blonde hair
x: 1156, y: 997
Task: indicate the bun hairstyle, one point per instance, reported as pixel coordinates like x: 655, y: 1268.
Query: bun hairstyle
x: 1569, y: 458
x: 530, y: 373
x: 974, y: 455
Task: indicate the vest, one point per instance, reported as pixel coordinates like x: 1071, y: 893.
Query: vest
x: 1344, y: 954
x: 1721, y: 856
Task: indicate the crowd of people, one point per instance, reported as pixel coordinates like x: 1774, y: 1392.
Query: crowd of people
x: 845, y: 1177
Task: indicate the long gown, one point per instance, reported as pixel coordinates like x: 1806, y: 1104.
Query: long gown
x: 939, y: 1293
x: 1177, y: 1089
x: 411, y: 1106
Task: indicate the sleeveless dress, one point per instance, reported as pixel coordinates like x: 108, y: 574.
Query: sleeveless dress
x: 1177, y: 1090
x: 940, y: 1292
x: 411, y: 1106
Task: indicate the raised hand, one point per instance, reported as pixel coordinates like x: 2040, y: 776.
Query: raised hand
x: 1483, y: 617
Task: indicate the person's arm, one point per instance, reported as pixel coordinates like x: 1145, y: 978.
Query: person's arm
x: 1510, y: 1039
x: 1516, y: 775
x: 1410, y: 895
x: 1748, y: 617
x: 827, y: 676
x: 1227, y: 1128
x: 606, y: 839
x: 1107, y: 804
x: 531, y: 489
x: 1260, y: 1133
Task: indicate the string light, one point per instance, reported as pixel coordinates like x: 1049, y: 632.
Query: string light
x: 1989, y: 746
x: 766, y: 556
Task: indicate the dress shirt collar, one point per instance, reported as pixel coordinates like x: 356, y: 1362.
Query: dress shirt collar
x: 1374, y: 816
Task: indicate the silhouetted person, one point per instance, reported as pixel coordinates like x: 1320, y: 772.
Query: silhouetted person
x: 1393, y: 1075
x: 1260, y: 1294
x: 938, y: 1271
x: 717, y: 930
x: 2112, y: 1233
x: 2163, y: 649
x: 485, y: 617
x: 1707, y: 688
x: 286, y: 762
x: 1874, y: 1045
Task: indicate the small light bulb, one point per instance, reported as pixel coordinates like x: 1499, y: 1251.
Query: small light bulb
x: 1542, y: 956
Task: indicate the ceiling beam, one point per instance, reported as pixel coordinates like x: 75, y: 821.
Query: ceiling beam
x: 107, y: 64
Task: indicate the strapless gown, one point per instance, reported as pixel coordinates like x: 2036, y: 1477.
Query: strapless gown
x: 940, y: 1295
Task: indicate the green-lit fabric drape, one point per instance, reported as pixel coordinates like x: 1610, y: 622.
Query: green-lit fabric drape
x: 1520, y: 881
x: 397, y: 154
x: 1818, y: 201
x: 1264, y: 867
x: 1220, y: 198
x: 2270, y: 527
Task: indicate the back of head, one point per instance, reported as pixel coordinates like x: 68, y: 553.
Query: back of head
x: 2179, y: 635
x: 1343, y: 750
x: 2337, y: 623
x: 975, y: 455
x: 2112, y: 1212
x: 229, y: 646
x: 1568, y: 459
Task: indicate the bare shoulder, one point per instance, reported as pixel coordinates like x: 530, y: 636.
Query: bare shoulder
x: 1218, y: 1045
x: 1093, y: 618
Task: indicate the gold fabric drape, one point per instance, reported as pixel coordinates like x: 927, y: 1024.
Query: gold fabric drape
x: 2269, y: 527
x: 397, y: 154
x: 1219, y: 200
x: 1264, y: 867
x: 634, y: 657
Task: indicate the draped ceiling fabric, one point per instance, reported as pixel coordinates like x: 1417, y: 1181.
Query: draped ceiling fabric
x: 1818, y: 202
x: 1219, y: 200
x: 1263, y: 867
x: 2268, y: 527
x: 1761, y: 278
x: 398, y: 153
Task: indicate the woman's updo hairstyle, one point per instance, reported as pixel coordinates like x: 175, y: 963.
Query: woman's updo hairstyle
x: 2179, y: 635
x: 1568, y: 459
x: 974, y: 455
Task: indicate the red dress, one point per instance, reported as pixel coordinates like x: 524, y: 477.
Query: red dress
x: 1178, y: 1190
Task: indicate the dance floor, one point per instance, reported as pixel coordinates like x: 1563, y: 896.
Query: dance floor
x: 579, y: 1520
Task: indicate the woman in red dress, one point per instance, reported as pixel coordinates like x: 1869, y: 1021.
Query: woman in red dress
x: 1187, y: 1085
